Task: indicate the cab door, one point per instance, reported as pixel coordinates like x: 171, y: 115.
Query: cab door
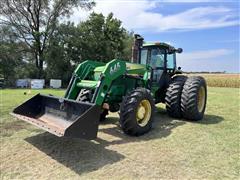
x: 157, y: 62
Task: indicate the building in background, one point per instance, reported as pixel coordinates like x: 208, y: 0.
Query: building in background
x: 37, y: 83
x: 55, y: 83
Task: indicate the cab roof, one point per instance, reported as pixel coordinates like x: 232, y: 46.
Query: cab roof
x: 158, y: 44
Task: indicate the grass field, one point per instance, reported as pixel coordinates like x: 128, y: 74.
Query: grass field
x: 174, y: 149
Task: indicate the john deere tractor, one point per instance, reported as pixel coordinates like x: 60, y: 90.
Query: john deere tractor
x: 133, y: 89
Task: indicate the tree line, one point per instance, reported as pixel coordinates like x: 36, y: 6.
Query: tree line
x: 36, y: 43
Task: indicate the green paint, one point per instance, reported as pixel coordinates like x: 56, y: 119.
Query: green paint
x: 108, y: 80
x: 111, y: 81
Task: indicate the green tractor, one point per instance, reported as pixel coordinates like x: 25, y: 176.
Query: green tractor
x: 132, y: 89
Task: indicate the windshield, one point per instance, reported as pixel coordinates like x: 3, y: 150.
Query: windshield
x: 157, y: 58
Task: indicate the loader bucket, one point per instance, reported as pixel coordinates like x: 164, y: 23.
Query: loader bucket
x: 59, y: 116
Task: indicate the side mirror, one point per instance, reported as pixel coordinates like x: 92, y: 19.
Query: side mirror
x: 179, y: 50
x: 179, y: 68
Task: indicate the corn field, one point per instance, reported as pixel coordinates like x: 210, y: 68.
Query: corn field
x: 221, y: 80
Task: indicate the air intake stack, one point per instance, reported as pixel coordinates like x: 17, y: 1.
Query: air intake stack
x: 137, y: 44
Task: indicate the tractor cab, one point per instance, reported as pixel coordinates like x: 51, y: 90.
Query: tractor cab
x: 160, y: 56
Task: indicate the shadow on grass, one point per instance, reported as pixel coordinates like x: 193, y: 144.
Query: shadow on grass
x: 161, y: 128
x: 210, y: 119
x: 85, y: 156
x: 79, y: 155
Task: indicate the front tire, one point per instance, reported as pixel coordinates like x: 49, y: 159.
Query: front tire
x: 103, y: 115
x: 194, y: 98
x: 136, y: 112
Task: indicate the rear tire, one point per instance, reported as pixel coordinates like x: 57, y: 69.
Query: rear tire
x: 136, y: 112
x: 173, y: 96
x: 194, y: 98
x: 85, y: 95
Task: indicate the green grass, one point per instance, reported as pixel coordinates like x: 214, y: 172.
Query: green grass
x: 174, y: 149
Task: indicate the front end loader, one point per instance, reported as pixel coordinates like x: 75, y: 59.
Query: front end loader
x: 133, y: 89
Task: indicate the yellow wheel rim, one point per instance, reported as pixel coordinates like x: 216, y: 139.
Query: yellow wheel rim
x: 144, y: 111
x: 201, y: 99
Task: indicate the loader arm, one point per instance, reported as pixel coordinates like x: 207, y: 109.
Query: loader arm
x: 81, y: 72
x: 112, y: 71
x: 81, y: 80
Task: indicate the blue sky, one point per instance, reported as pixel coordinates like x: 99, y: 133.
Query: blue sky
x: 208, y: 31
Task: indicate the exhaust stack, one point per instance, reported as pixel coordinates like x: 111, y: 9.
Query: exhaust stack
x: 137, y: 44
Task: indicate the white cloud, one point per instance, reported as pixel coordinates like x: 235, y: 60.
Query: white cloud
x: 208, y: 60
x: 139, y: 16
x: 202, y: 55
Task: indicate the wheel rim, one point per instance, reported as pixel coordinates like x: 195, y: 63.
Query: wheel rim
x: 201, y: 99
x: 143, y: 113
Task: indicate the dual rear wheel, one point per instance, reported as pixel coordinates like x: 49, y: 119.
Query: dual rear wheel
x: 194, y: 98
x: 186, y: 97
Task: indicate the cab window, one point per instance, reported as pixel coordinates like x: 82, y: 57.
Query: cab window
x: 171, y: 61
x: 157, y: 58
x: 143, y: 59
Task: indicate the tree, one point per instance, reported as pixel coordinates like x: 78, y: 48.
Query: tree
x: 102, y: 38
x: 99, y: 38
x: 61, y: 52
x: 11, y: 54
x: 34, y: 21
